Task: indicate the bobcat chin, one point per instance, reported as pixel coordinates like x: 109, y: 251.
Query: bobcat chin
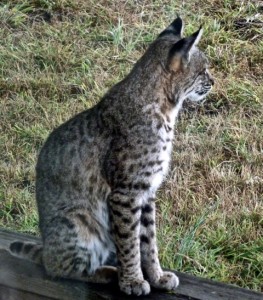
x: 97, y: 174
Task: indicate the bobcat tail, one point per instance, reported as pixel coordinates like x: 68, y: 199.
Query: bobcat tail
x: 27, y: 250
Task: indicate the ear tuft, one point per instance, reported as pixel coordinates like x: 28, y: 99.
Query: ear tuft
x: 175, y: 28
x: 177, y: 25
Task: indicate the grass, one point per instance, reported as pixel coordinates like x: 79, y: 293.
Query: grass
x: 59, y: 57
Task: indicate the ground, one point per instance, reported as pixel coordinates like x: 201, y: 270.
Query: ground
x: 58, y: 58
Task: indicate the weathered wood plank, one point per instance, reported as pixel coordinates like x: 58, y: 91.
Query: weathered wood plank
x: 25, y: 276
x: 8, y: 236
x: 7, y: 293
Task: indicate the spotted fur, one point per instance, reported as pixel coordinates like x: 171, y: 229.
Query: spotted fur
x: 97, y: 174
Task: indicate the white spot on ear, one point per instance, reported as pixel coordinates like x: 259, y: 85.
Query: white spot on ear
x: 193, y: 48
x: 198, y: 36
x: 182, y: 28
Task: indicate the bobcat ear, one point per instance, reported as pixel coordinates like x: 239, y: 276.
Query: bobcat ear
x: 175, y: 28
x: 181, y: 51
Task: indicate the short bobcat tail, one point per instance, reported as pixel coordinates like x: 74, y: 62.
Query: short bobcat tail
x: 27, y: 250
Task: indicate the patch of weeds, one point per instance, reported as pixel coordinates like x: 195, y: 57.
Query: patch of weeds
x: 14, y: 16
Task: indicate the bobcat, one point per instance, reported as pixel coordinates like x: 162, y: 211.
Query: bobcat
x: 97, y: 174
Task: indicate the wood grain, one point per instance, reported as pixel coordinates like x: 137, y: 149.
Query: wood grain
x: 7, y: 293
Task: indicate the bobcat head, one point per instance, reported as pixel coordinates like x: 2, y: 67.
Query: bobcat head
x: 182, y: 67
x: 187, y: 61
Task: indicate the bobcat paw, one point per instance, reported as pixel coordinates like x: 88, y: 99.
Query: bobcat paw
x: 168, y: 281
x: 135, y: 287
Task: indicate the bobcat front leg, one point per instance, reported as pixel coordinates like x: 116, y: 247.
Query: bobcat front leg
x: 149, y: 252
x: 125, y: 213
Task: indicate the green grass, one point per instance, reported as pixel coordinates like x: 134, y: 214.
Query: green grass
x: 58, y: 58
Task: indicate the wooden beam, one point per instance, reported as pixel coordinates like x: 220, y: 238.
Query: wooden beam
x: 8, y: 236
x: 25, y: 277
x: 7, y: 293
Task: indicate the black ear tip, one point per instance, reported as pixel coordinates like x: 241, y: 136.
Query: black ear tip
x: 174, y: 28
x: 178, y: 20
x: 178, y: 17
x: 177, y: 24
x: 195, y: 34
